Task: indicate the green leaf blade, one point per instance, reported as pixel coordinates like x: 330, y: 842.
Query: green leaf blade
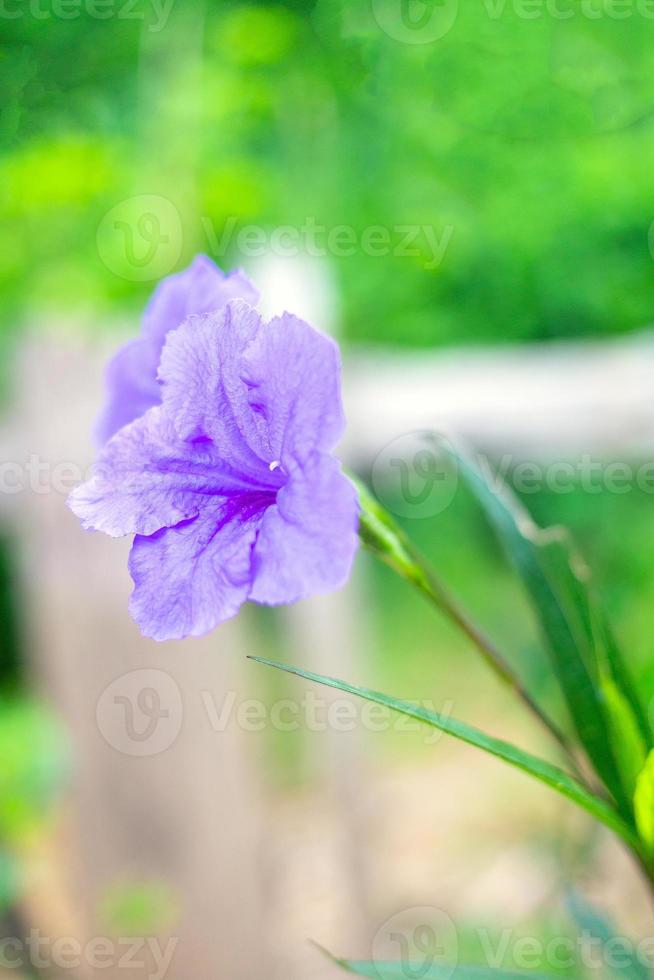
x: 593, y: 922
x: 435, y: 971
x: 566, y: 616
x: 545, y: 772
x: 644, y: 804
x: 404, y: 971
x: 625, y: 735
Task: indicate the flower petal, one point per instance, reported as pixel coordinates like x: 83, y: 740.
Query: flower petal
x: 308, y: 538
x: 131, y: 379
x: 146, y: 478
x: 132, y: 387
x: 203, y: 389
x: 294, y: 374
x: 190, y: 578
x: 201, y: 288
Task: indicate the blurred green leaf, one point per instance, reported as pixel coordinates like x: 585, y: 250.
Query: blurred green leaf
x: 34, y: 766
x: 559, y: 599
x: 591, y: 921
x: 425, y: 971
x: 546, y: 773
x: 596, y: 637
x: 139, y: 908
x: 8, y: 880
x: 620, y: 673
x: 644, y: 803
x: 624, y: 734
x: 405, y: 971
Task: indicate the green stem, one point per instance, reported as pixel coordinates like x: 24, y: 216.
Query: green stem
x: 381, y: 535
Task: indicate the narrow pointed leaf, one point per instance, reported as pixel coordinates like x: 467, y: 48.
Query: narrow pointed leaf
x: 596, y: 639
x: 545, y: 566
x: 546, y: 773
x: 405, y: 971
x: 401, y: 970
x: 618, y: 669
x: 625, y: 735
x: 644, y: 804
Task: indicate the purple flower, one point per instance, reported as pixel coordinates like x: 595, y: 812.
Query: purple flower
x: 229, y: 484
x: 132, y: 385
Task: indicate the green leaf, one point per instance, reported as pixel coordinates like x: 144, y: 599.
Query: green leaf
x: 551, y: 775
x: 625, y: 735
x: 425, y: 971
x: 617, y: 667
x: 596, y: 638
x: 597, y: 926
x: 644, y: 803
x: 553, y: 579
x: 405, y: 971
x: 382, y: 536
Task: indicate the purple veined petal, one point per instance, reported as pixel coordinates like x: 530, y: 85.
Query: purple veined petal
x: 190, y: 578
x: 132, y: 387
x: 201, y: 288
x: 308, y: 538
x: 131, y: 378
x: 145, y: 478
x: 293, y: 373
x: 201, y: 371
x: 223, y: 473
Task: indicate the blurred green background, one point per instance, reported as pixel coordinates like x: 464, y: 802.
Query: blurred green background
x: 519, y: 141
x: 528, y: 135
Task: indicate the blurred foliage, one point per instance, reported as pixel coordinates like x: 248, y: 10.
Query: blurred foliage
x: 529, y: 136
x: 139, y: 908
x: 10, y: 634
x: 34, y: 764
